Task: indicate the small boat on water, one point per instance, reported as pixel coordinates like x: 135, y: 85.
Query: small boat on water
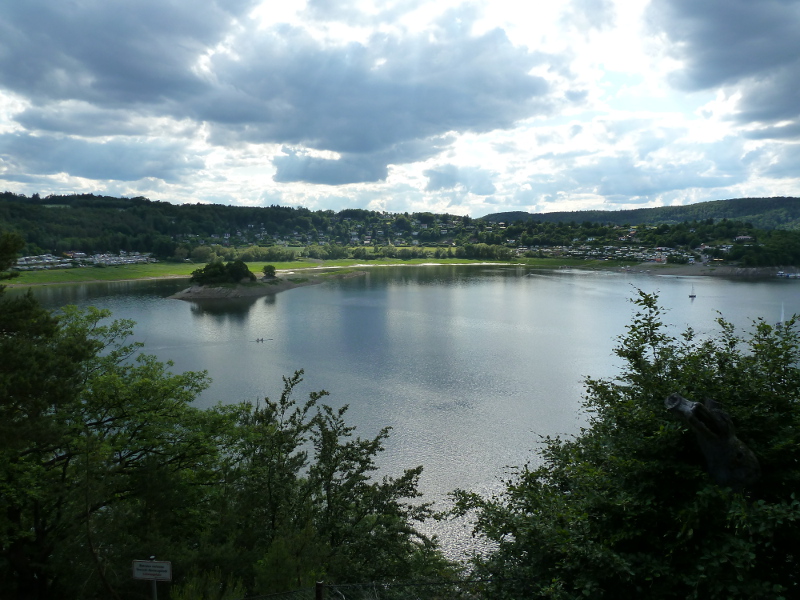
x: 692, y: 295
x: 783, y: 317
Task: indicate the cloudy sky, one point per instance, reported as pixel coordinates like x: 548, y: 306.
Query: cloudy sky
x: 402, y: 105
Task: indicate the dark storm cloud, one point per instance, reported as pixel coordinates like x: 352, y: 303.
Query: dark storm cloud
x: 311, y: 169
x: 96, y: 68
x: 753, y: 46
x: 123, y: 160
x: 366, y: 98
x: 447, y: 177
x: 783, y: 132
x: 111, y: 53
x: 783, y: 163
x: 80, y: 119
x: 351, y: 167
x: 773, y: 96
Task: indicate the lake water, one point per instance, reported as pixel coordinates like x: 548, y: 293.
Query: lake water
x: 469, y: 365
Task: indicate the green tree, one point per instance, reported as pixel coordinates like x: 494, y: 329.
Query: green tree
x: 104, y: 459
x: 218, y: 272
x: 366, y: 526
x: 300, y: 502
x: 238, y: 271
x: 10, y: 245
x: 402, y: 223
x: 91, y: 437
x: 626, y: 509
x: 208, y: 585
x: 266, y: 499
x: 269, y: 271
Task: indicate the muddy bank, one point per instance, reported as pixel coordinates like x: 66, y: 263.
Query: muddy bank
x: 258, y: 288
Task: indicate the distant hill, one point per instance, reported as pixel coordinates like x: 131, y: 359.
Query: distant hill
x: 763, y: 213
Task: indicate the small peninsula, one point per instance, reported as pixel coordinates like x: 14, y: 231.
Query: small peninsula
x: 263, y: 287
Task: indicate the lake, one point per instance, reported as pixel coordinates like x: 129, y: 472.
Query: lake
x: 469, y: 365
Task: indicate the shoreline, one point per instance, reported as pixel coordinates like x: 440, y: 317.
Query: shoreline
x: 706, y: 270
x: 250, y: 290
x: 258, y: 289
x: 7, y: 283
x: 696, y: 270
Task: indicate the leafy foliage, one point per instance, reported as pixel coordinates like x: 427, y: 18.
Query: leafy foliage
x: 300, y: 503
x: 10, y: 245
x: 216, y: 273
x: 208, y: 585
x: 626, y: 508
x: 86, y: 432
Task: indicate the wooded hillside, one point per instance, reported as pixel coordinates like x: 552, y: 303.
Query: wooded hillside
x: 763, y: 213
x: 746, y: 232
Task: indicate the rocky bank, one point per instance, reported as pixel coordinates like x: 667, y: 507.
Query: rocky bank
x: 259, y: 288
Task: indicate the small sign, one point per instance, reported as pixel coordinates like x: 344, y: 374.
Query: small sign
x: 154, y: 570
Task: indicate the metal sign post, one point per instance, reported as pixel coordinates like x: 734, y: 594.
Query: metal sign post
x: 153, y: 570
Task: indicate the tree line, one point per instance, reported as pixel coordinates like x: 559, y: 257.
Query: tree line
x: 205, y: 232
x: 765, y: 213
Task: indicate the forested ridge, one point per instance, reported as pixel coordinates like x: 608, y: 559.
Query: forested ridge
x: 764, y: 213
x: 91, y: 223
x: 760, y: 232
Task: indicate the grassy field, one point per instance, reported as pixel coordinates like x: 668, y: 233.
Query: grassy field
x: 115, y: 273
x: 164, y: 269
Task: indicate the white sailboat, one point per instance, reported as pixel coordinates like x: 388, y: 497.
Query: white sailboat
x: 783, y: 317
x: 692, y: 295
